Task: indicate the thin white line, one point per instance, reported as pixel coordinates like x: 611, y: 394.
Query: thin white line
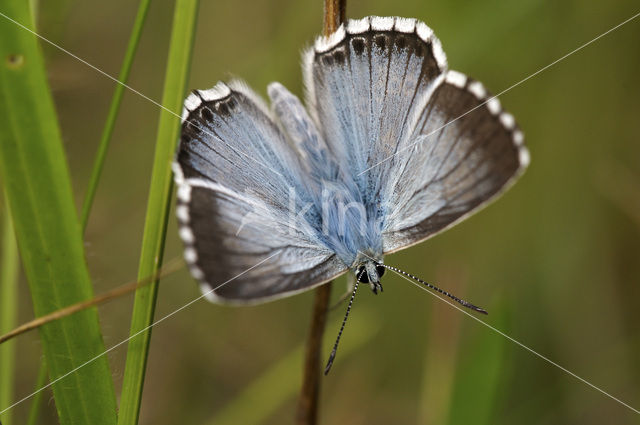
x: 519, y: 343
x: 130, y: 88
x: 505, y: 90
x: 235, y: 277
x: 134, y: 335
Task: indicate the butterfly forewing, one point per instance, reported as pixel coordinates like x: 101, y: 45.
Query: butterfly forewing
x: 365, y: 85
x: 237, y: 177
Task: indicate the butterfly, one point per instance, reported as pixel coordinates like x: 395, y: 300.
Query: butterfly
x: 391, y: 148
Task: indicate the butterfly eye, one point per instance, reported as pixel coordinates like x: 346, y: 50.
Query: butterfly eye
x: 380, y: 269
x: 362, y: 275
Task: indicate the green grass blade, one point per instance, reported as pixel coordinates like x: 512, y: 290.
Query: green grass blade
x: 158, y: 206
x: 34, y: 170
x: 36, y: 401
x: 281, y: 382
x: 114, y: 108
x: 8, y: 311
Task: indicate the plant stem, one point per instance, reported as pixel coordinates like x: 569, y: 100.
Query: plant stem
x: 117, y: 292
x: 269, y: 391
x: 308, y: 403
x: 334, y: 11
x: 307, y: 412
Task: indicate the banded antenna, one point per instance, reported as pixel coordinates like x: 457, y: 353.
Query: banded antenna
x: 435, y: 288
x: 332, y: 356
x: 462, y: 302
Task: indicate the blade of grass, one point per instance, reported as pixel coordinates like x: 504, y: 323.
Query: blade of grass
x: 114, y: 108
x: 8, y: 311
x: 262, y: 397
x: 34, y: 170
x: 41, y: 380
x: 36, y: 401
x: 33, y: 6
x: 179, y: 59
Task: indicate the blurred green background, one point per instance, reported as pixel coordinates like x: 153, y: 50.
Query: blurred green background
x: 555, y: 260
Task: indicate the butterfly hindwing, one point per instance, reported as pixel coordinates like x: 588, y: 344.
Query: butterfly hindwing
x: 464, y: 151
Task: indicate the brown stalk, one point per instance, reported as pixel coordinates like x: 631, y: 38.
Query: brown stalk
x: 307, y: 411
x: 334, y: 11
x: 171, y: 267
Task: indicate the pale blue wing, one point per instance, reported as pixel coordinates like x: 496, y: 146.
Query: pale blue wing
x: 463, y: 152
x: 366, y: 85
x: 246, y: 217
x: 345, y: 226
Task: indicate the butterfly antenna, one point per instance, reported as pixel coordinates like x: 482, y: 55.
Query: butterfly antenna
x: 435, y: 288
x: 332, y: 356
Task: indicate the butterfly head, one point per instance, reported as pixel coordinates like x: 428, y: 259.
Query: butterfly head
x: 370, y: 271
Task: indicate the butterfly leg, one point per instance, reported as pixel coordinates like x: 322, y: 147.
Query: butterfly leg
x: 375, y: 287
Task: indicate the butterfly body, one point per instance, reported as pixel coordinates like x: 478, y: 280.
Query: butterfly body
x: 390, y: 149
x: 345, y: 221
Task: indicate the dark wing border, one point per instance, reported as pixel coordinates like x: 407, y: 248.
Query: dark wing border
x: 208, y: 289
x: 492, y: 104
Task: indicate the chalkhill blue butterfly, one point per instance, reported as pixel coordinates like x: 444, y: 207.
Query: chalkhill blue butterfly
x: 391, y: 149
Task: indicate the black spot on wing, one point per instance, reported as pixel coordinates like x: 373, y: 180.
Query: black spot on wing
x: 358, y: 44
x: 381, y: 40
x: 401, y: 41
x: 339, y: 56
